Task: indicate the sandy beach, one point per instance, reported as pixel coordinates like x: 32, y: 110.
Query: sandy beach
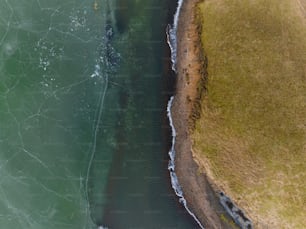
x: 201, y: 198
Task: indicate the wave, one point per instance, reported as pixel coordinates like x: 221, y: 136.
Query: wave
x: 101, y: 227
x: 171, y: 166
x: 171, y: 35
x: 172, y: 42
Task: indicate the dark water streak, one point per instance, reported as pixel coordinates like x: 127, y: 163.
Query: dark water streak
x: 112, y: 212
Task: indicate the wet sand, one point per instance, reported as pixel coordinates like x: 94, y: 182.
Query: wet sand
x: 202, y: 200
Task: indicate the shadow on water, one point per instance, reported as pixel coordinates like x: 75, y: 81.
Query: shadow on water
x: 121, y: 14
x: 139, y: 192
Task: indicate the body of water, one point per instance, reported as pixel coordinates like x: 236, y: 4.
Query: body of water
x: 83, y: 130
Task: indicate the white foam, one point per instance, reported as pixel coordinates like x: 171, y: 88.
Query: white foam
x: 96, y: 71
x: 171, y: 35
x: 101, y: 227
x: 171, y: 167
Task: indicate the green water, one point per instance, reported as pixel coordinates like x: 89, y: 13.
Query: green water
x: 82, y: 106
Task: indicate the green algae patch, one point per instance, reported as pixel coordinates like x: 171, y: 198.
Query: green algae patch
x: 252, y: 131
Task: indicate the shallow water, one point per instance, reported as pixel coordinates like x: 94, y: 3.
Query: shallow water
x: 83, y: 139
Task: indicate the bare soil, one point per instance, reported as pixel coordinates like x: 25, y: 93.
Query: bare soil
x: 202, y: 200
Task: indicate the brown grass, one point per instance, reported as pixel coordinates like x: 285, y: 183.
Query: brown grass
x: 252, y: 130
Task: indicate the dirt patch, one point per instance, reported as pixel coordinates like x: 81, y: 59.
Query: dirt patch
x: 201, y: 199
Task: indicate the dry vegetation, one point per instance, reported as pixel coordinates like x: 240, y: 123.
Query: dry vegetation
x: 251, y: 136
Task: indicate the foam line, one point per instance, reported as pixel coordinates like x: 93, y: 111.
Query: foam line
x: 171, y: 166
x: 171, y: 35
x: 101, y: 227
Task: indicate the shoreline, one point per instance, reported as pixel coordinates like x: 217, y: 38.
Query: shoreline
x: 201, y: 197
x: 200, y: 191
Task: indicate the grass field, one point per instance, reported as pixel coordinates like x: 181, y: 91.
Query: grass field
x: 252, y: 132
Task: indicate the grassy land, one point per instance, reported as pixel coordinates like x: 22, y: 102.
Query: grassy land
x: 252, y: 130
